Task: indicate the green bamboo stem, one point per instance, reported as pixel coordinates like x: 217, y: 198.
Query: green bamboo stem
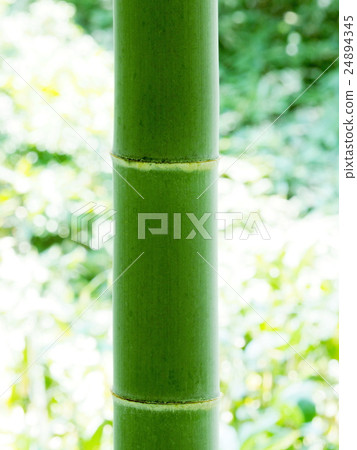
x: 165, y: 385
x: 166, y: 65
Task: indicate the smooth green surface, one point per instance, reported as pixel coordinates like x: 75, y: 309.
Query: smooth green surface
x: 165, y: 307
x: 148, y: 427
x: 166, y: 79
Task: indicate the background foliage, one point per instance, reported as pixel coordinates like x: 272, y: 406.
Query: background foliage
x: 278, y: 319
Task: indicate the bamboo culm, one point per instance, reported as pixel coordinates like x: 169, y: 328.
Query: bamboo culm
x: 165, y: 386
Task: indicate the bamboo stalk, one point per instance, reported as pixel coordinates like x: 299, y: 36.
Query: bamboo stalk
x: 165, y: 146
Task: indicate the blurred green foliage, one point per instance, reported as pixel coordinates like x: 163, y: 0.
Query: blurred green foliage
x: 270, y: 51
x: 278, y: 325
